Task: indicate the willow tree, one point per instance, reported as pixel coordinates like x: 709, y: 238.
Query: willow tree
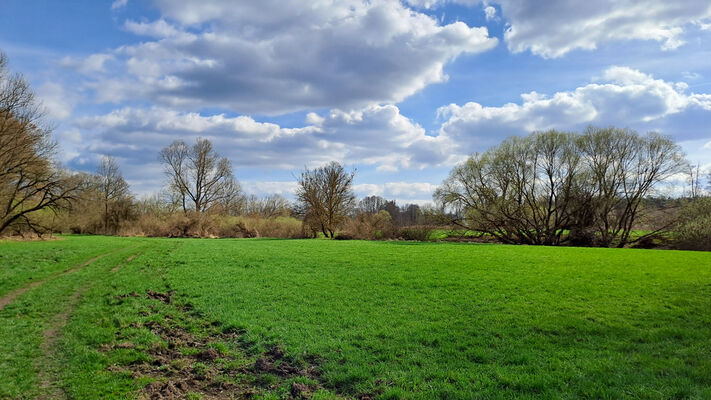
x: 553, y: 187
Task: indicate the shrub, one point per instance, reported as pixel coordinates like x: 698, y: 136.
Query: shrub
x: 418, y: 233
x: 369, y: 226
x: 693, y: 229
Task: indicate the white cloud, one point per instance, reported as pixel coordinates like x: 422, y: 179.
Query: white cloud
x: 624, y: 97
x: 397, y: 190
x: 490, y: 13
x: 554, y: 27
x: 57, y: 102
x: 158, y: 29
x: 118, y: 4
x: 402, y: 192
x: 89, y: 65
x: 272, y: 57
x: 260, y: 188
x: 377, y: 136
x: 691, y: 75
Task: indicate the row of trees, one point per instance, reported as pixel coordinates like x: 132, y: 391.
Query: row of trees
x: 548, y: 188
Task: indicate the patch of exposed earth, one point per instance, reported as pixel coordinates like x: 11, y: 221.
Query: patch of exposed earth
x: 197, y: 359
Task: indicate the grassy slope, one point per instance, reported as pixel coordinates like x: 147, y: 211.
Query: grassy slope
x: 398, y: 319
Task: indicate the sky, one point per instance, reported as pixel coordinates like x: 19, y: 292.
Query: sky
x: 400, y: 91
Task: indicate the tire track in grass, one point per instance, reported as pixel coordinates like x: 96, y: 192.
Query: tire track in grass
x: 47, y: 386
x: 128, y: 260
x: 10, y: 297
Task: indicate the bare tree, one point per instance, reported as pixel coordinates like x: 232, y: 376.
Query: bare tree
x: 518, y: 192
x: 623, y: 168
x: 114, y: 191
x: 326, y: 195
x: 198, y: 175
x: 30, y: 181
x: 553, y: 187
x: 271, y: 206
x: 693, y: 177
x: 371, y: 204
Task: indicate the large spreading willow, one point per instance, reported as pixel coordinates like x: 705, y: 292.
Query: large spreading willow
x: 555, y: 187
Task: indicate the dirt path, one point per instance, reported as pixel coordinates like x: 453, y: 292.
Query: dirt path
x: 128, y: 260
x: 10, y: 297
x: 48, y: 389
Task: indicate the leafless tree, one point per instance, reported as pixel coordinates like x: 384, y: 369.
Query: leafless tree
x: 693, y: 177
x: 520, y: 191
x: 270, y: 206
x: 198, y: 175
x: 114, y: 193
x: 30, y: 180
x: 553, y: 187
x: 326, y: 195
x: 371, y: 204
x: 623, y: 168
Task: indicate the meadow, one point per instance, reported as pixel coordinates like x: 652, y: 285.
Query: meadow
x: 88, y: 317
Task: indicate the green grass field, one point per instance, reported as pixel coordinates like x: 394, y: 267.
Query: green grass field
x: 101, y: 317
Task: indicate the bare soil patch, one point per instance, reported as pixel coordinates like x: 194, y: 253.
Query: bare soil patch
x: 209, y: 363
x: 128, y: 260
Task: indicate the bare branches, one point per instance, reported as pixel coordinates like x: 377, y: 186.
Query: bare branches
x: 326, y: 195
x: 198, y: 175
x: 553, y: 187
x: 29, y: 179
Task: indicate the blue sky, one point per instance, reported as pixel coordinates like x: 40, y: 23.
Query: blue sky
x: 399, y: 90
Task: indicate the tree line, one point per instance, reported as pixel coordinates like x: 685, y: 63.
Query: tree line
x: 547, y: 188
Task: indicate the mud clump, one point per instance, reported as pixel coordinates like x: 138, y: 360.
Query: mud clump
x: 162, y: 297
x: 208, y: 355
x: 195, y: 357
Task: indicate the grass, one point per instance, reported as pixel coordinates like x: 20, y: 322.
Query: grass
x: 380, y: 319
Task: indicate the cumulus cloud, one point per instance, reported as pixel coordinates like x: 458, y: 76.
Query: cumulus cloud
x: 622, y: 97
x: 377, y: 136
x: 272, y: 57
x: 553, y: 28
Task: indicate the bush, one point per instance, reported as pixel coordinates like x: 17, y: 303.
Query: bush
x: 195, y: 225
x: 418, y: 233
x: 693, y: 229
x: 369, y: 226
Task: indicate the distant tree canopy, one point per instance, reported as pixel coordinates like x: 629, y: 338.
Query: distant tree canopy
x: 554, y: 187
x: 326, y: 196
x: 30, y: 181
x: 198, y: 177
